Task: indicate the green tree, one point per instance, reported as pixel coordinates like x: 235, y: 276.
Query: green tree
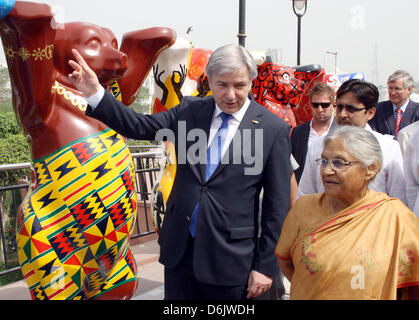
x: 6, y: 107
x: 142, y: 105
x: 9, y: 125
x: 5, y: 88
x: 142, y: 102
x: 13, y: 149
x: 5, y: 91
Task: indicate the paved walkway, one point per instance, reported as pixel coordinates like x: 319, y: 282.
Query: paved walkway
x: 150, y: 286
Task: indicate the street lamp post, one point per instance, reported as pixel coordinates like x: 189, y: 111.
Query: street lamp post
x: 336, y: 58
x: 300, y: 8
x: 242, y: 23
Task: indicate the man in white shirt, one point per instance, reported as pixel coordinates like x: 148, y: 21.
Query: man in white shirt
x: 411, y: 166
x: 356, y: 105
x: 405, y: 134
x: 322, y: 105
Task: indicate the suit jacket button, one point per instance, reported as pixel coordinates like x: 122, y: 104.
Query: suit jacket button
x: 188, y: 219
x: 204, y: 189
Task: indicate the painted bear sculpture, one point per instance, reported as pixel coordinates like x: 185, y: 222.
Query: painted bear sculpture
x: 75, y: 223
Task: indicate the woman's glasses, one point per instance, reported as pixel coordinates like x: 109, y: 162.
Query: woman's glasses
x: 335, y: 164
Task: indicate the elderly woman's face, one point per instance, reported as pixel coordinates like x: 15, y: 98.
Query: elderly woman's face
x: 347, y: 183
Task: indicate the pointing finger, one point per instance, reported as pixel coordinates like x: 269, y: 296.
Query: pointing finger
x: 75, y: 65
x: 80, y: 59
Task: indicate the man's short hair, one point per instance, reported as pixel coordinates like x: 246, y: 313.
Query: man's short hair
x: 366, y: 92
x: 401, y: 74
x: 230, y: 58
x: 322, y: 88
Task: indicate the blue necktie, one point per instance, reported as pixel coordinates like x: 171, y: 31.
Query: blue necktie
x: 213, y: 159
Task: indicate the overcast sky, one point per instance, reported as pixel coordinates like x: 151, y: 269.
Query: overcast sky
x: 375, y: 37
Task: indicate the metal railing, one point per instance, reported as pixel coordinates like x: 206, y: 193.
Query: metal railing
x: 147, y: 166
x: 9, y: 244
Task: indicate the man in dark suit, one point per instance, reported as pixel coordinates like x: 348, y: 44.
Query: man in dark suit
x: 209, y: 239
x: 322, y: 98
x: 399, y: 111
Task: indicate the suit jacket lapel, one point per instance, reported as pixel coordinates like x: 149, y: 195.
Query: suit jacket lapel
x: 204, y: 120
x: 304, y: 142
x: 389, y: 116
x: 408, y: 114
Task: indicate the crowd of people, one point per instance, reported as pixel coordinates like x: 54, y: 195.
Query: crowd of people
x: 342, y: 192
x: 357, y: 105
x: 350, y: 234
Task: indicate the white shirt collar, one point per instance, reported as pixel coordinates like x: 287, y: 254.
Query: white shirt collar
x: 238, y: 115
x: 330, y: 124
x: 403, y: 107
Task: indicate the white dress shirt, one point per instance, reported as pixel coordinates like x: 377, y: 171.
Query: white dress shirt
x: 403, y: 108
x: 411, y: 167
x: 404, y: 135
x: 390, y: 179
x: 94, y: 100
x: 314, y: 134
x: 233, y: 124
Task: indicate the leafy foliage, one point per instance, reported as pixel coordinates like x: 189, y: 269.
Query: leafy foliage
x: 141, y: 103
x: 8, y: 125
x: 13, y: 148
x: 5, y: 90
x: 6, y: 106
x: 11, y: 277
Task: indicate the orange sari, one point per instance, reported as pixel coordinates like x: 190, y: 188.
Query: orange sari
x: 367, y: 251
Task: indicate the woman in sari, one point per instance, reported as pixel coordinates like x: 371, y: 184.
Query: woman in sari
x: 350, y: 242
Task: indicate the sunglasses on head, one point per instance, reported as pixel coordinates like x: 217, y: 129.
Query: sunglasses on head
x: 323, y: 104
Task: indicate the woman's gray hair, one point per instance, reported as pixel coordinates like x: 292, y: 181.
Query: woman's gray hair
x: 401, y: 74
x: 231, y: 58
x: 359, y: 142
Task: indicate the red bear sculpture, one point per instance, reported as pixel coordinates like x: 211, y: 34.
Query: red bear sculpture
x: 75, y: 222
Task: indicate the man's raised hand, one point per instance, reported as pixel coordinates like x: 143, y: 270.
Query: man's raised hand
x: 83, y: 78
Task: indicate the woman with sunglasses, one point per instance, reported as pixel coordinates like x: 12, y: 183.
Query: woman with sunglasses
x: 350, y: 242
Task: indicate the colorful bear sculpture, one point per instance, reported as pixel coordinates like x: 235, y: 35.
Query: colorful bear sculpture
x: 75, y: 223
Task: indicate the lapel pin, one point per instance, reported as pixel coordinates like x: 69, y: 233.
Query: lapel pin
x: 255, y: 121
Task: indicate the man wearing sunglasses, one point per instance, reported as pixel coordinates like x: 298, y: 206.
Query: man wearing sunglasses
x: 322, y: 98
x: 356, y: 102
